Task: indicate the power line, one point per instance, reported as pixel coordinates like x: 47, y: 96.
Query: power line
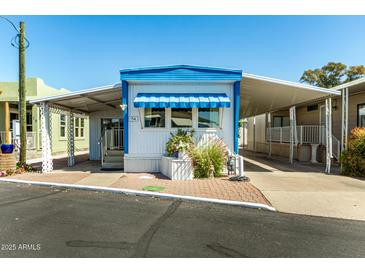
x: 15, y: 40
x: 17, y: 30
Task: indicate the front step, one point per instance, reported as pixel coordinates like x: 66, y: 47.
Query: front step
x: 119, y: 165
x: 113, y: 159
x: 115, y: 153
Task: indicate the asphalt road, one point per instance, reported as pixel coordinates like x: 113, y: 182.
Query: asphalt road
x: 45, y: 222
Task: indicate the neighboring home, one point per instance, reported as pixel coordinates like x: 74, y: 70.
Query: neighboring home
x: 36, y: 88
x: 131, y: 122
x: 310, y: 125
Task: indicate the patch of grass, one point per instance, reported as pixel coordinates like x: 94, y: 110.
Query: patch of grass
x: 154, y: 188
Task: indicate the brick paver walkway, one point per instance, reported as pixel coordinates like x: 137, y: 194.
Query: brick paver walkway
x: 89, y: 173
x: 218, y: 188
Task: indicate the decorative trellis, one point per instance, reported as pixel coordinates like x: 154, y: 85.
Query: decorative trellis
x: 47, y: 163
x: 71, y: 140
x: 46, y: 112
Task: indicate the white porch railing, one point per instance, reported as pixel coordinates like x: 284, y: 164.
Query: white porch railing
x: 31, y: 139
x: 306, y: 134
x: 336, y: 147
x: 3, y: 137
x: 111, y: 139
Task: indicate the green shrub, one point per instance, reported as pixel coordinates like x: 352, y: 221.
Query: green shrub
x: 208, y: 161
x: 182, y: 140
x: 353, y: 158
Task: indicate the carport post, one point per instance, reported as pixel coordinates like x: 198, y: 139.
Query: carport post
x: 71, y: 140
x: 47, y: 162
x: 254, y: 134
x: 328, y: 134
x: 293, y: 133
x: 269, y: 131
x: 344, y: 117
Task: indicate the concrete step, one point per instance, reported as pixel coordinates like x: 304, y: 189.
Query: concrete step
x: 113, y: 165
x: 114, y: 152
x: 113, y: 159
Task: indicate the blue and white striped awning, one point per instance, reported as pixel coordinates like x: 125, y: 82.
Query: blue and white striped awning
x: 182, y: 100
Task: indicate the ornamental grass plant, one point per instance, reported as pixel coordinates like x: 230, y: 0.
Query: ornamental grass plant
x: 353, y: 158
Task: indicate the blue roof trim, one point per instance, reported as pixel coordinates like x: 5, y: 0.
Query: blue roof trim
x: 182, y: 100
x: 182, y: 73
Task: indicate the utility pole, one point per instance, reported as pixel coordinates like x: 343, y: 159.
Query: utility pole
x: 22, y: 96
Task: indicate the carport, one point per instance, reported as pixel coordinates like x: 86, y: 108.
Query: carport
x: 105, y: 100
x: 258, y: 95
x: 263, y: 95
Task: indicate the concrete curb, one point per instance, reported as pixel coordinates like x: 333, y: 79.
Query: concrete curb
x: 142, y: 193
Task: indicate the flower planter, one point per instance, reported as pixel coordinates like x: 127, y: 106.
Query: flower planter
x: 7, y: 148
x: 182, y: 155
x: 7, y: 161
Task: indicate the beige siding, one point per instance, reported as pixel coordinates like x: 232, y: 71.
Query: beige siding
x: 305, y: 117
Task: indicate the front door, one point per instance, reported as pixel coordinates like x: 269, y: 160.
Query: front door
x: 112, y: 131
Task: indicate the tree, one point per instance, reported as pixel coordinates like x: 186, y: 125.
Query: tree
x: 332, y: 74
x: 355, y: 72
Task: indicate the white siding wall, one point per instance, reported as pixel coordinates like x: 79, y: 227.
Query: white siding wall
x: 147, y: 142
x: 95, y: 129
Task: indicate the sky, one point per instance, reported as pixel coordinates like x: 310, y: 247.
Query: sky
x: 79, y: 52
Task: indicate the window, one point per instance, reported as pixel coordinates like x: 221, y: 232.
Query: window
x: 29, y: 121
x: 361, y: 115
x: 154, y: 117
x: 181, y: 117
x: 13, y: 116
x: 281, y: 121
x: 208, y: 117
x: 79, y: 127
x: 62, y: 125
x: 312, y: 107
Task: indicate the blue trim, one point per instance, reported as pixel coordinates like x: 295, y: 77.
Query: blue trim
x: 181, y: 73
x: 182, y: 100
x: 125, y: 114
x: 236, y: 111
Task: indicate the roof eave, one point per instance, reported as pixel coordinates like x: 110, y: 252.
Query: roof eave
x: 75, y: 93
x: 290, y: 84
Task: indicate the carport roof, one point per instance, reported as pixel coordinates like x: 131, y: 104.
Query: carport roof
x: 88, y: 100
x: 353, y: 86
x: 258, y: 95
x: 263, y: 94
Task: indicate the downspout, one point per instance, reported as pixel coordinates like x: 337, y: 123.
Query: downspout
x: 236, y: 114
x: 125, y: 114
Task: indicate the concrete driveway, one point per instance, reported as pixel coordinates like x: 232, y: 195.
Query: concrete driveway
x: 305, y: 189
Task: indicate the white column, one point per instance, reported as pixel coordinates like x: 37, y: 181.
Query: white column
x: 269, y: 131
x: 293, y: 133
x: 71, y: 140
x: 47, y: 162
x: 328, y: 132
x: 344, y: 117
x: 254, y: 134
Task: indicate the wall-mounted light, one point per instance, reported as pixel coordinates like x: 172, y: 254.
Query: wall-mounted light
x: 123, y: 107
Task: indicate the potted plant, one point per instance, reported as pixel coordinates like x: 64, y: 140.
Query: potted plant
x: 181, y: 141
x: 7, y: 148
x: 182, y: 148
